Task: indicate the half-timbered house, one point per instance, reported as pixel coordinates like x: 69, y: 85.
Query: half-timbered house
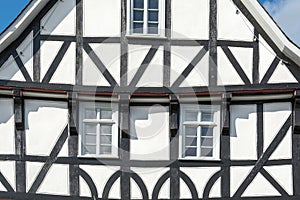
x: 148, y: 99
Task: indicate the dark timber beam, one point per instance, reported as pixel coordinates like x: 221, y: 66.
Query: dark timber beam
x: 296, y: 144
x: 124, y: 45
x: 213, y: 36
x: 167, y: 45
x: 79, y: 41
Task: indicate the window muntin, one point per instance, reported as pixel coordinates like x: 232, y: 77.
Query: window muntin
x: 199, y: 131
x: 147, y: 17
x: 99, y: 130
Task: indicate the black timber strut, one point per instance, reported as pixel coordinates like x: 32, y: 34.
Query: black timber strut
x: 21, y: 66
x: 213, y: 37
x: 79, y: 41
x: 296, y: 144
x: 167, y: 44
x: 36, y: 52
x: 124, y: 45
x: 255, y: 73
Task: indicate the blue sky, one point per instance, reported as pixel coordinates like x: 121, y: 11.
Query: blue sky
x: 285, y: 12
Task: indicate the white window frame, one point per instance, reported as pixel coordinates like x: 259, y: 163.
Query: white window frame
x: 215, y: 124
x: 98, y: 121
x: 161, y: 19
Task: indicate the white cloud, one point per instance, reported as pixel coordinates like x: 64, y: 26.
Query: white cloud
x: 287, y: 14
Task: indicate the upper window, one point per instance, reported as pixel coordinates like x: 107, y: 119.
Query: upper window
x: 147, y: 17
x: 99, y: 129
x: 200, y: 131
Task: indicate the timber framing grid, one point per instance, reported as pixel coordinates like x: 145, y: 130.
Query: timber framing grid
x: 44, y: 90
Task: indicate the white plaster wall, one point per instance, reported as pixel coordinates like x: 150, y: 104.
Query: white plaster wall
x: 56, y: 181
x: 232, y: 26
x: 110, y: 56
x: 7, y: 168
x: 282, y: 75
x: 275, y: 115
x: 25, y: 51
x: 190, y: 20
x: 10, y: 71
x: 100, y: 176
x: 61, y: 19
x: 243, y: 133
x: 149, y: 130
x: 150, y: 176
x: 44, y: 123
x: 200, y: 177
x: 266, y: 56
x: 7, y: 127
x: 32, y: 171
x: 101, y: 18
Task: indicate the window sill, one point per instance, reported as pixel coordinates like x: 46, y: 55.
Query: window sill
x: 146, y: 36
x: 111, y: 157
x: 200, y: 159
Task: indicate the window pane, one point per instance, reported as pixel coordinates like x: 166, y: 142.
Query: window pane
x: 153, y: 4
x: 152, y: 28
x: 191, y: 141
x: 208, y: 142
x: 153, y: 16
x: 191, y: 131
x: 90, y: 139
x: 191, y: 116
x: 206, y: 152
x: 105, y: 150
x: 138, y: 3
x: 191, y: 152
x: 207, y: 131
x: 207, y: 116
x: 104, y: 129
x: 138, y: 15
x: 106, y: 114
x: 90, y: 128
x: 138, y: 27
x: 89, y: 149
x: 105, y: 139
x: 90, y: 114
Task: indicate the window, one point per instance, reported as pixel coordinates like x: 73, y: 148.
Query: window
x: 147, y: 17
x: 200, y: 132
x: 99, y: 129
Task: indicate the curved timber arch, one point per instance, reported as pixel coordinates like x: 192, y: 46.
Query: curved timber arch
x: 90, y: 183
x: 211, y: 183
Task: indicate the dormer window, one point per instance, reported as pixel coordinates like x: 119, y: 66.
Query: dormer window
x: 147, y: 17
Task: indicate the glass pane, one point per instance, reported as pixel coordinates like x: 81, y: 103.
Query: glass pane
x: 191, y: 152
x: 90, y: 114
x: 90, y: 139
x: 138, y: 27
x: 90, y: 128
x: 207, y: 116
x: 105, y: 150
x: 105, y: 139
x: 89, y: 149
x: 191, y: 141
x: 208, y: 142
x: 106, y: 114
x: 153, y: 4
x: 191, y: 116
x: 138, y: 15
x: 207, y: 131
x: 153, y: 16
x: 206, y: 152
x: 104, y: 129
x: 152, y: 28
x: 191, y: 131
x: 138, y: 3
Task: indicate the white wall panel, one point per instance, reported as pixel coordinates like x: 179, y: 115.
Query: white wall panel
x: 32, y: 171
x: 7, y: 127
x: 243, y: 133
x: 25, y: 50
x: 190, y: 20
x: 61, y: 19
x: 266, y: 57
x: 10, y: 71
x: 149, y: 131
x: 200, y: 177
x: 100, y: 176
x: 7, y: 168
x: 45, y: 121
x: 282, y: 75
x: 275, y: 115
x: 232, y: 26
x: 102, y: 18
x: 237, y: 176
x: 56, y: 181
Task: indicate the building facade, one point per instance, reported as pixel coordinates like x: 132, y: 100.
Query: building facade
x: 148, y: 99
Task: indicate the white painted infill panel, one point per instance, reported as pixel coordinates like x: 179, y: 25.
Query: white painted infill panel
x: 237, y: 176
x: 200, y: 177
x: 150, y: 177
x: 243, y: 132
x: 25, y: 51
x: 7, y: 127
x: 10, y: 71
x: 100, y: 176
x: 44, y: 124
x: 102, y: 18
x: 275, y: 115
x: 32, y: 171
x: 233, y: 26
x: 149, y: 131
x: 266, y: 57
x: 282, y: 75
x: 190, y: 19
x: 61, y: 19
x: 8, y: 169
